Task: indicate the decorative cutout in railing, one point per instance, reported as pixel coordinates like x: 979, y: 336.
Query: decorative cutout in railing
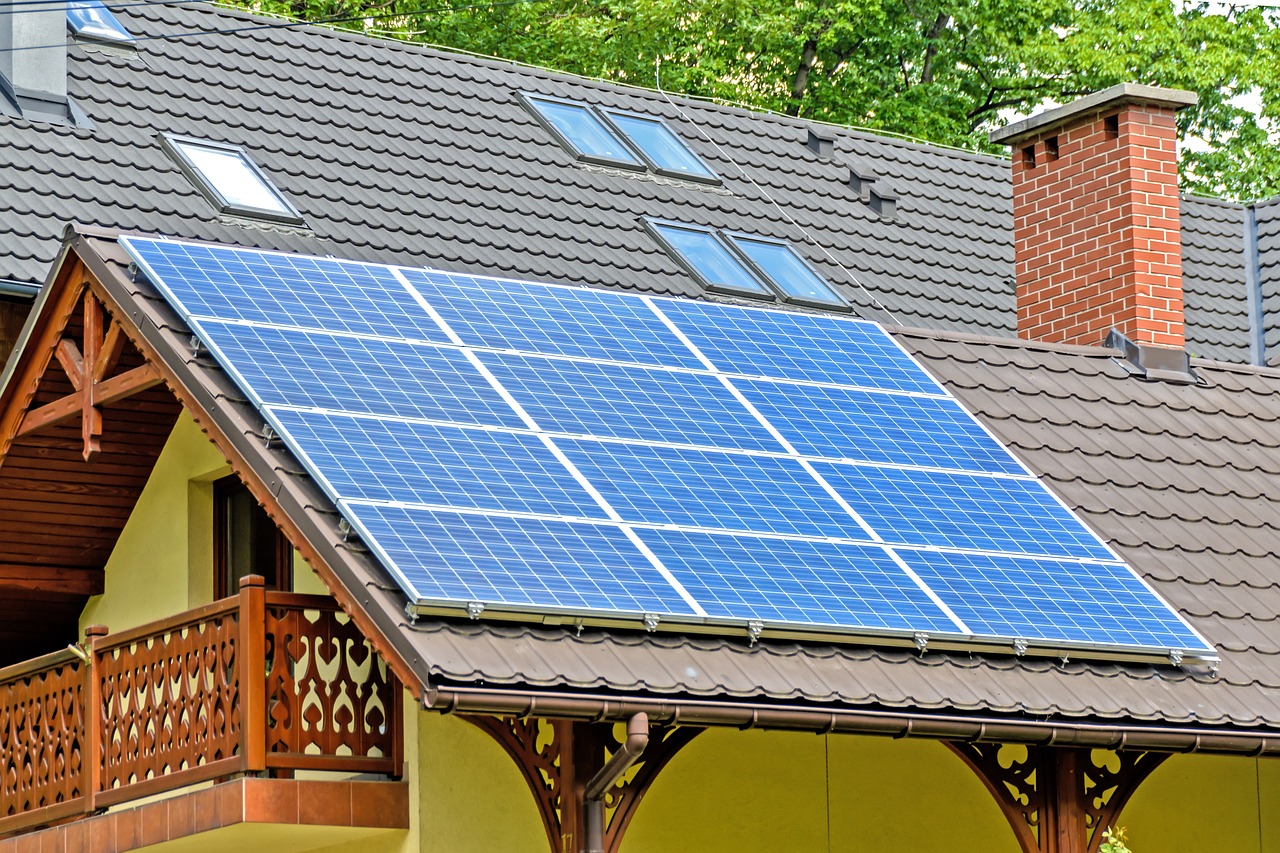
x: 262, y: 681
x: 329, y: 696
x: 41, y: 731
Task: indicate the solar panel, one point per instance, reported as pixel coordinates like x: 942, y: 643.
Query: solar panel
x: 532, y: 450
x: 976, y: 512
x: 431, y: 465
x: 551, y: 320
x: 294, y: 367
x: 790, y: 345
x: 890, y: 429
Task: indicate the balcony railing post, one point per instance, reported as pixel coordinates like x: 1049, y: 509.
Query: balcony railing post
x: 252, y: 656
x: 92, y: 748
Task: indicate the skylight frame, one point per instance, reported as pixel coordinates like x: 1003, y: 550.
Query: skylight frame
x: 79, y: 24
x: 709, y: 178
x: 173, y: 144
x: 838, y: 302
x: 637, y: 163
x: 766, y: 293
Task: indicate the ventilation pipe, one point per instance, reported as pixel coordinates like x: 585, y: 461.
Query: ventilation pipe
x: 619, y: 763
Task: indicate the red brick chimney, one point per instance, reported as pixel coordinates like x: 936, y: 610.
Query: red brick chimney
x: 1097, y: 238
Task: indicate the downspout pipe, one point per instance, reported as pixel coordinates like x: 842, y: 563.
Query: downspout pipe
x: 618, y: 764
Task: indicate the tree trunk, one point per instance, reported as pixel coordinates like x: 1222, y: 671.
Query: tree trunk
x: 808, y: 54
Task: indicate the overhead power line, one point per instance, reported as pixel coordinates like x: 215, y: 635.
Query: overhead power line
x: 283, y: 25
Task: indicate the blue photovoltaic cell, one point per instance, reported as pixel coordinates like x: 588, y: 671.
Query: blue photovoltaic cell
x: 800, y: 581
x: 629, y: 402
x: 285, y: 290
x: 365, y: 458
x: 710, y: 488
x: 542, y: 318
x: 894, y: 429
x: 523, y: 562
x: 361, y: 375
x: 973, y: 511
x: 791, y: 345
x: 1042, y: 599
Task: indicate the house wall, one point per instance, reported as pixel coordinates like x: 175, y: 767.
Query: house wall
x: 728, y: 790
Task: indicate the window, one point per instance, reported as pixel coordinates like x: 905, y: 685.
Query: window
x: 709, y: 260
x: 230, y: 179
x: 584, y: 133
x: 746, y: 265
x: 663, y: 150
x: 617, y: 138
x: 789, y: 273
x: 91, y: 21
x: 246, y: 541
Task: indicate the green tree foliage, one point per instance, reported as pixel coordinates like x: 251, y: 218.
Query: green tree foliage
x: 941, y: 70
x: 1113, y: 841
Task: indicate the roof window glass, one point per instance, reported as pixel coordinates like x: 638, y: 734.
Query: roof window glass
x: 787, y: 271
x: 665, y: 151
x: 710, y: 261
x: 231, y: 180
x: 585, y: 133
x: 89, y: 19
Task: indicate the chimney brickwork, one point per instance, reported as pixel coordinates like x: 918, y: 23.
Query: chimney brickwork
x: 1096, y: 226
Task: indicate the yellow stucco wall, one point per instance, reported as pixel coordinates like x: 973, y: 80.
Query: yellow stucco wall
x: 1198, y: 803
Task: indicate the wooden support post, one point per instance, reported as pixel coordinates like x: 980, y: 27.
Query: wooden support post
x: 92, y: 749
x: 558, y: 757
x: 1058, y: 799
x: 251, y: 658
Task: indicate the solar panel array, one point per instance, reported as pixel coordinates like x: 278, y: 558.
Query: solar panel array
x: 538, y: 449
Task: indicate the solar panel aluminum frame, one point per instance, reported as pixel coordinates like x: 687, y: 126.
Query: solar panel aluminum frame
x: 172, y: 144
x: 530, y: 102
x: 607, y: 113
x: 783, y: 296
x: 652, y: 224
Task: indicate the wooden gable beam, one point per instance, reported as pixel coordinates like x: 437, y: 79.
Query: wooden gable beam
x: 50, y: 580
x: 87, y: 368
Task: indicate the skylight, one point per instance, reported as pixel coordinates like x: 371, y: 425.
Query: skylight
x: 710, y: 261
x: 230, y: 179
x: 89, y: 19
x: 664, y: 151
x: 617, y: 138
x: 790, y: 274
x: 745, y: 264
x: 584, y: 133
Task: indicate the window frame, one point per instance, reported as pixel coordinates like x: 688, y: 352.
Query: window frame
x: 223, y: 490
x: 609, y: 112
x: 173, y: 145
x: 530, y: 101
x: 127, y: 42
x: 768, y: 292
x: 731, y: 238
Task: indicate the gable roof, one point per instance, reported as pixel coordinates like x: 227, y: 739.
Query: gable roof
x: 1174, y: 495
x: 402, y: 154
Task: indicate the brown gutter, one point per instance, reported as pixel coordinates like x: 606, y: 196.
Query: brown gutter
x: 955, y: 727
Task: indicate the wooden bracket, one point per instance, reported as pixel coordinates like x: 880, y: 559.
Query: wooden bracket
x: 558, y: 757
x: 1058, y: 799
x: 87, y: 367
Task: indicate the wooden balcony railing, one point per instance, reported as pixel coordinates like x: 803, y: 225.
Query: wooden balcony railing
x: 264, y: 681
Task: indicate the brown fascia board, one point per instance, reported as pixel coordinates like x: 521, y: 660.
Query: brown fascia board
x: 1116, y: 96
x: 311, y: 523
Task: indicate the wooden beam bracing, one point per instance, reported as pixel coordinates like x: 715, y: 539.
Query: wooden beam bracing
x: 106, y: 392
x: 51, y: 580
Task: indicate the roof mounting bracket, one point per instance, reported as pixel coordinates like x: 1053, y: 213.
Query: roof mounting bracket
x: 474, y: 609
x: 1175, y: 657
x: 921, y: 639
x: 651, y: 621
x: 1155, y: 364
x: 1020, y: 647
x: 754, y: 628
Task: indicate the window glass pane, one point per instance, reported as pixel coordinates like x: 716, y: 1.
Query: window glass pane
x: 716, y: 264
x: 89, y: 18
x: 584, y: 131
x: 229, y: 174
x: 788, y: 272
x: 667, y: 151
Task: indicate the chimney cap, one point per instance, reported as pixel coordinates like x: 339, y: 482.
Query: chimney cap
x: 1124, y: 93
